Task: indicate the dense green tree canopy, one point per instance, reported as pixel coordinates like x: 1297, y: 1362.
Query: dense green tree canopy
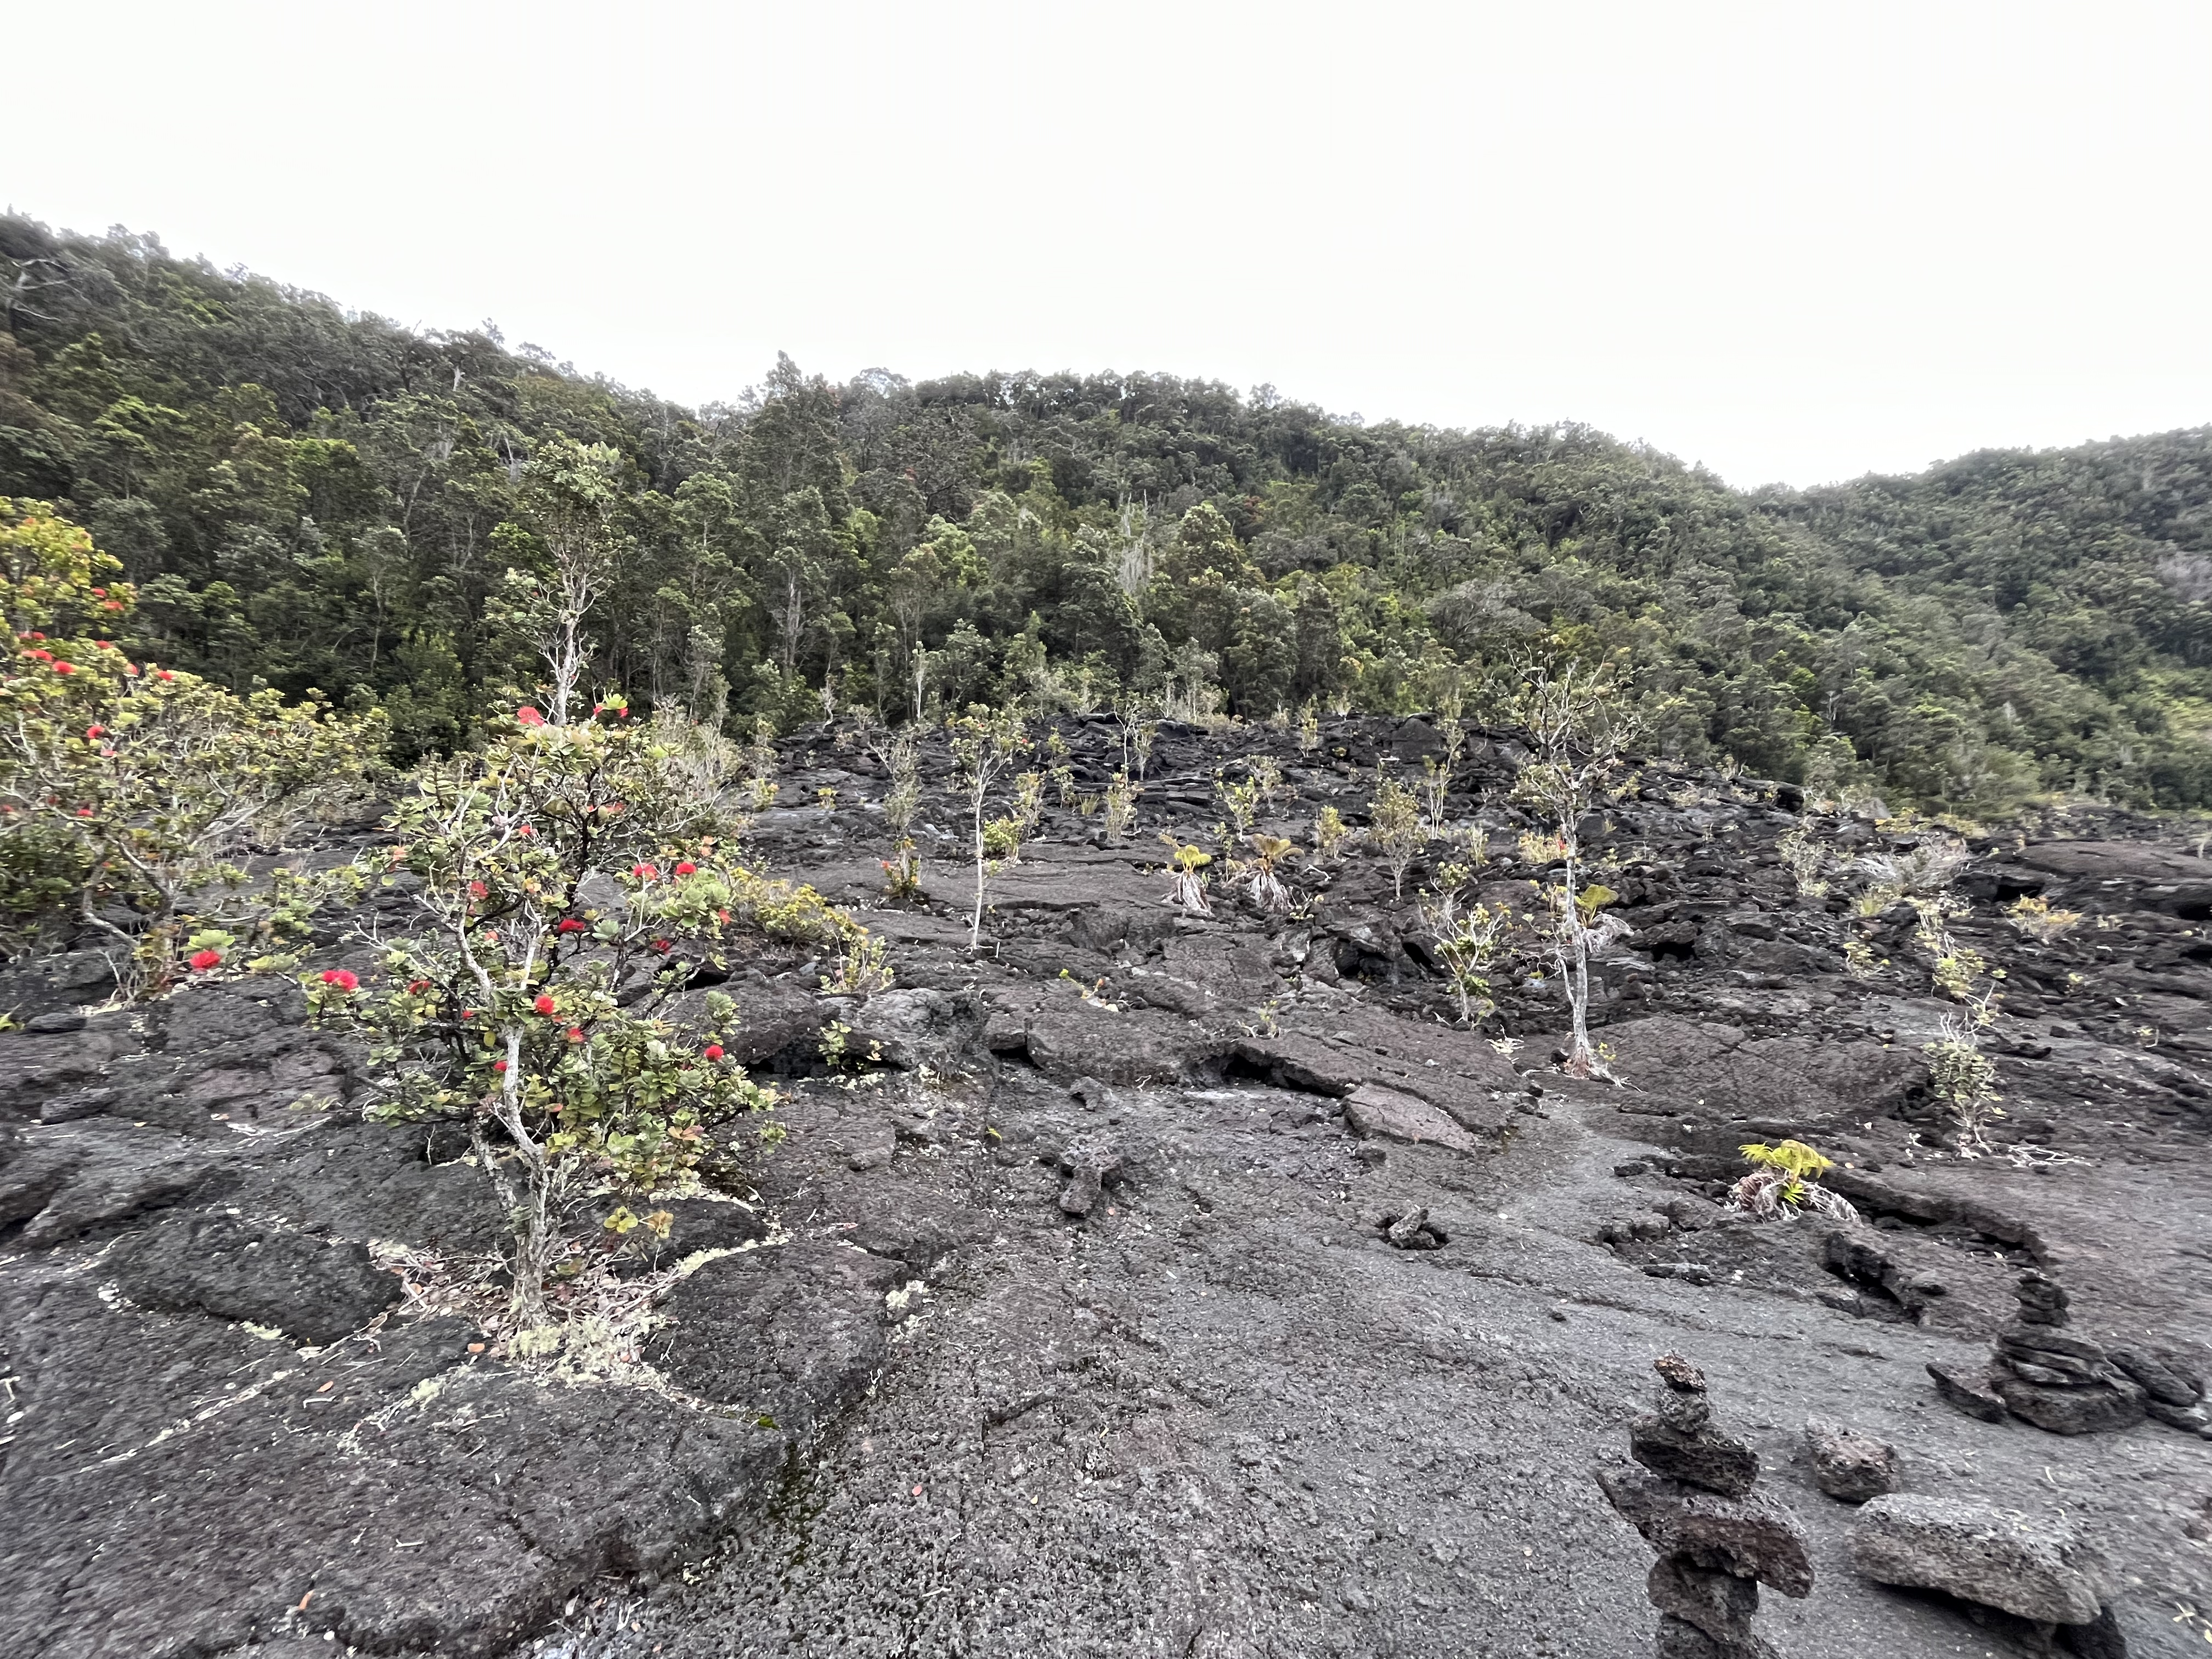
x: 309, y: 498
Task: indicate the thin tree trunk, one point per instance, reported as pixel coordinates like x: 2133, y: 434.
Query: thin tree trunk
x: 975, y: 923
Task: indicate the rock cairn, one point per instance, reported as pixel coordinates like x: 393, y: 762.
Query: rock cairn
x: 1717, y: 1540
x: 2065, y: 1383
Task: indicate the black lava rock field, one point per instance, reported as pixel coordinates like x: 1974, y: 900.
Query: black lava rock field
x: 1153, y: 1283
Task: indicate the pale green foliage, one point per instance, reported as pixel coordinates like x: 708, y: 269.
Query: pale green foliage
x: 1435, y: 785
x: 1028, y: 809
x: 2035, y: 916
x: 902, y: 874
x: 1393, y: 824
x: 1138, y: 731
x: 1457, y: 872
x: 570, y: 495
x: 1121, y: 808
x: 1062, y: 772
x: 1263, y: 871
x: 863, y: 968
x: 1964, y: 1079
x: 1578, y: 723
x: 901, y: 759
x: 1468, y: 942
x: 130, y: 795
x: 1268, y: 776
x: 1805, y: 859
x: 1437, y: 771
x: 537, y: 1019
x: 984, y: 742
x: 1187, y: 867
x: 761, y: 764
x: 1239, y: 799
x: 1330, y: 831
x: 1860, y: 961
x: 1920, y: 871
x: 1785, y: 1177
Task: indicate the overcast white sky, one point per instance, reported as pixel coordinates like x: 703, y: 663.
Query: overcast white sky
x: 1794, y: 240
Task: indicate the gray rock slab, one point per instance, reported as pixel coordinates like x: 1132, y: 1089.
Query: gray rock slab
x: 2031, y: 1565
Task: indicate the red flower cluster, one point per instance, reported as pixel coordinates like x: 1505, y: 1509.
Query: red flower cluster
x: 713, y: 1051
x: 544, y: 1006
x: 686, y: 868
x: 645, y: 872
x: 570, y: 925
x: 344, y: 978
x: 526, y: 715
x: 204, y: 960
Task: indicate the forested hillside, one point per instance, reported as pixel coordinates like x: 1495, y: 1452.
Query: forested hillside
x: 310, y: 498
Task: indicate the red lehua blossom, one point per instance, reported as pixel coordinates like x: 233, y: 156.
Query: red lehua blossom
x: 104, y: 645
x: 544, y: 1006
x: 525, y: 830
x: 65, y: 668
x: 660, y: 945
x: 570, y: 925
x: 94, y: 731
x: 417, y: 987
x: 167, y: 675
x: 477, y: 889
x: 468, y: 1014
x: 644, y: 871
x: 713, y: 1051
x: 576, y: 1034
x: 499, y: 1065
x: 529, y: 716
x: 84, y: 811
x: 345, y: 979
x: 98, y: 592
x: 686, y: 868
x: 34, y: 635
x: 204, y: 960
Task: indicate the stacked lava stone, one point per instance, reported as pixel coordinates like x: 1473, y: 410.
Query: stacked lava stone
x: 1717, y: 1539
x: 2061, y: 1381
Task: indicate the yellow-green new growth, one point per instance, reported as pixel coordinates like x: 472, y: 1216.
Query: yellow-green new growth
x: 1784, y: 1179
x: 1188, y: 863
